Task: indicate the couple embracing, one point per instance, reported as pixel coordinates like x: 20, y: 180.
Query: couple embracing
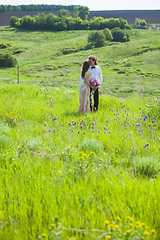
x: 91, y: 77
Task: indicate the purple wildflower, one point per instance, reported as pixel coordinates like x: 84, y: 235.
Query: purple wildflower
x: 55, y: 118
x: 146, y: 145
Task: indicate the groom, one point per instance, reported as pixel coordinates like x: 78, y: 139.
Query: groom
x: 96, y: 75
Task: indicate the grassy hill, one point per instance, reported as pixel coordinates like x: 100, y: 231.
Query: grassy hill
x: 55, y: 59
x: 66, y: 175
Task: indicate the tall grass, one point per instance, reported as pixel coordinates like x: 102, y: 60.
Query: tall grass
x: 66, y: 175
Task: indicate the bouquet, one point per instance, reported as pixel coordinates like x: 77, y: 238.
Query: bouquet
x: 94, y: 83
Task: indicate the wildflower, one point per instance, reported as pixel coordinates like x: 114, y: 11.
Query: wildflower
x: 85, y: 155
x: 53, y: 225
x: 153, y: 231
x: 71, y: 155
x: 108, y: 237
x: 128, y: 231
x: 107, y: 222
x: 129, y: 218
x: 139, y: 226
x: 118, y: 218
x: 81, y: 153
x: 44, y: 235
x: 101, y: 159
x: 116, y: 226
x: 146, y: 233
x: 131, y: 225
x: 55, y: 118
x: 81, y: 158
x: 147, y: 144
x: 143, y: 224
x: 93, y: 154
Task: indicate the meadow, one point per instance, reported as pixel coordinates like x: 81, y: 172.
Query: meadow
x: 66, y: 175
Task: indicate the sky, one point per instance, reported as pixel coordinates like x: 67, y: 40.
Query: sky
x: 94, y: 5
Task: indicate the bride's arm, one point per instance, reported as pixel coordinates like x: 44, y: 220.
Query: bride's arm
x: 87, y: 79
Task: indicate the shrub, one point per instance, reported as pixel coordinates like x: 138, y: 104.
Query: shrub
x: 140, y: 22
x: 108, y: 35
x: 143, y: 22
x: 7, y: 60
x: 96, y: 39
x: 92, y: 145
x: 4, y: 45
x: 119, y: 35
x: 146, y: 167
x: 13, y: 20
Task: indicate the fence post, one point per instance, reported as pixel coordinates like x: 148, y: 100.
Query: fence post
x: 18, y: 74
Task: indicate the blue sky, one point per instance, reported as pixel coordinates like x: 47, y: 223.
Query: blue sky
x: 94, y: 4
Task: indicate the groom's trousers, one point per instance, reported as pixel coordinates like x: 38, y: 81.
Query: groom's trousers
x: 96, y: 100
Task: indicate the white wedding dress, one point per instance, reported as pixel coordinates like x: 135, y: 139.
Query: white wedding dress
x: 84, y: 93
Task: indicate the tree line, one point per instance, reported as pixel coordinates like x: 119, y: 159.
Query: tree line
x: 63, y: 21
x: 33, y: 7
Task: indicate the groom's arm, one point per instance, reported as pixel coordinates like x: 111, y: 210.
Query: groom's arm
x: 100, y: 75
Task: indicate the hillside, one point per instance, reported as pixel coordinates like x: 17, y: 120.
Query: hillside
x: 55, y: 59
x: 151, y: 16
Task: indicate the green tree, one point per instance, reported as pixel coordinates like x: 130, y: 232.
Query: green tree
x: 13, y: 20
x: 26, y: 22
x: 108, y: 35
x: 63, y: 13
x: 82, y: 12
x: 40, y: 21
x: 51, y: 19
x: 76, y: 11
x: 96, y: 39
x: 97, y: 23
x: 119, y: 35
x: 6, y: 60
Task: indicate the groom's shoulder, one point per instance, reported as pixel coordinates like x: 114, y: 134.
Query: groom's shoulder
x: 98, y: 67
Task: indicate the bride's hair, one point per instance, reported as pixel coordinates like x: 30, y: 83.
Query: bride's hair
x: 85, y: 68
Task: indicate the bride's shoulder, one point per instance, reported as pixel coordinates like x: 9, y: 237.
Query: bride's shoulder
x: 88, y: 73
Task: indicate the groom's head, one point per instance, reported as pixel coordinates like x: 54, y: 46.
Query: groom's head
x: 93, y: 60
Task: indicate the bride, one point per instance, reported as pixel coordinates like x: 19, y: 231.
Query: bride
x: 84, y: 90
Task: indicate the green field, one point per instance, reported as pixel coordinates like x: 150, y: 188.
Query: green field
x: 55, y: 59
x: 71, y: 176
